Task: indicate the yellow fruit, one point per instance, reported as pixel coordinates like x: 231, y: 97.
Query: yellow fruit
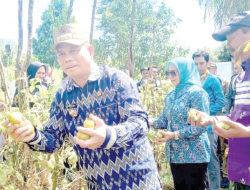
x: 32, y: 130
x: 223, y: 125
x: 192, y: 112
x: 82, y: 136
x: 159, y: 135
x: 21, y: 124
x: 15, y: 118
x: 195, y: 118
x: 151, y: 136
x: 89, y: 123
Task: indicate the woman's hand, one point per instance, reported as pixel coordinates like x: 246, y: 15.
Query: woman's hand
x: 203, y: 119
x: 167, y: 135
x: 236, y: 130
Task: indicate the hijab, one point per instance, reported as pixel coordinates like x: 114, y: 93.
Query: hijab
x: 187, y: 71
x: 33, y: 68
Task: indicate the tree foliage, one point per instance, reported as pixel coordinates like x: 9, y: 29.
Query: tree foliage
x: 222, y: 10
x: 224, y: 54
x: 54, y: 16
x: 114, y: 23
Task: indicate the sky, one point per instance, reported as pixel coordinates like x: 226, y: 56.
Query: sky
x: 192, y: 31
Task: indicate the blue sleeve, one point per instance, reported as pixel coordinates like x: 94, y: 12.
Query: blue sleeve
x: 53, y: 135
x: 134, y: 120
x: 198, y: 100
x: 219, y: 98
x: 161, y: 122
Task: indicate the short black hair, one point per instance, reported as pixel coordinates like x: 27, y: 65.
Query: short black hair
x: 144, y: 69
x: 201, y: 54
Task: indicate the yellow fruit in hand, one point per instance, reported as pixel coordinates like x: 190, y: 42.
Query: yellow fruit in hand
x: 21, y: 124
x: 82, y: 136
x: 223, y: 125
x: 32, y: 130
x: 192, y: 112
x: 159, y: 135
x: 15, y: 118
x: 89, y: 123
x: 196, y: 118
x: 151, y: 136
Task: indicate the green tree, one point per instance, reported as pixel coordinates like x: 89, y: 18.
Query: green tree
x: 152, y: 21
x: 54, y: 16
x: 223, y: 53
x: 222, y: 10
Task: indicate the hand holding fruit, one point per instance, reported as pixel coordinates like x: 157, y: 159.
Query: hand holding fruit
x: 198, y: 118
x: 229, y: 129
x: 19, y: 128
x: 163, y: 136
x: 93, y: 134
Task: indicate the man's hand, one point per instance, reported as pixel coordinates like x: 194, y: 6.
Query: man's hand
x: 20, y: 134
x: 167, y: 135
x: 203, y: 119
x: 97, y: 135
x: 236, y: 130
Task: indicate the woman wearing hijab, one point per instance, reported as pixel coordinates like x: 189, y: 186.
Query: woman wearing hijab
x: 35, y: 70
x: 187, y: 147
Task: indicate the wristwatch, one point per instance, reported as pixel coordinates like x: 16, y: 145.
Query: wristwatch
x: 176, y: 135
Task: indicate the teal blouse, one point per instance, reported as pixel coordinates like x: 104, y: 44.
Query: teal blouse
x: 193, y: 145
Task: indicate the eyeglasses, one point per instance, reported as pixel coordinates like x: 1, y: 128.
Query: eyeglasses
x: 171, y: 73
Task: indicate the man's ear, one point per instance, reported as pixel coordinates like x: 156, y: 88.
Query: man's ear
x: 91, y: 50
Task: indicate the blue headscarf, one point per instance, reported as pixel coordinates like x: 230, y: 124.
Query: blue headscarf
x: 187, y: 71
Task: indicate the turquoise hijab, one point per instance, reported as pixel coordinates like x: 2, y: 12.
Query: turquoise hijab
x: 187, y: 71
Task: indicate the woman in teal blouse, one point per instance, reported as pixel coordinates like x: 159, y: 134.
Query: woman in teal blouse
x: 187, y: 147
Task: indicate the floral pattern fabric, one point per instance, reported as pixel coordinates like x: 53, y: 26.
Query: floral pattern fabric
x: 193, y: 145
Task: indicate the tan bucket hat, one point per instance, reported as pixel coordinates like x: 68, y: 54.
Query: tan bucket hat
x: 69, y: 33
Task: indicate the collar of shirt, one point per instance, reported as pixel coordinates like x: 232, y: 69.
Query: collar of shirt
x: 95, y: 74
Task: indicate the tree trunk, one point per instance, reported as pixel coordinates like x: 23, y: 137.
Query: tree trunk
x: 20, y: 34
x: 70, y: 10
x: 20, y: 74
x: 131, y: 61
x: 30, y: 27
x: 152, y: 50
x: 92, y: 22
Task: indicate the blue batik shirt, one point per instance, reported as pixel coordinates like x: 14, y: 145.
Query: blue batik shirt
x: 213, y: 87
x: 125, y: 160
x: 193, y: 145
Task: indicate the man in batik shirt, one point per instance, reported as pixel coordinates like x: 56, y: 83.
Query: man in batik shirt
x: 118, y: 154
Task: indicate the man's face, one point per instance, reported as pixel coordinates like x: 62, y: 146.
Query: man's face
x: 201, y: 64
x: 236, y: 39
x: 144, y: 74
x: 154, y: 72
x: 74, y: 60
x: 213, y: 70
